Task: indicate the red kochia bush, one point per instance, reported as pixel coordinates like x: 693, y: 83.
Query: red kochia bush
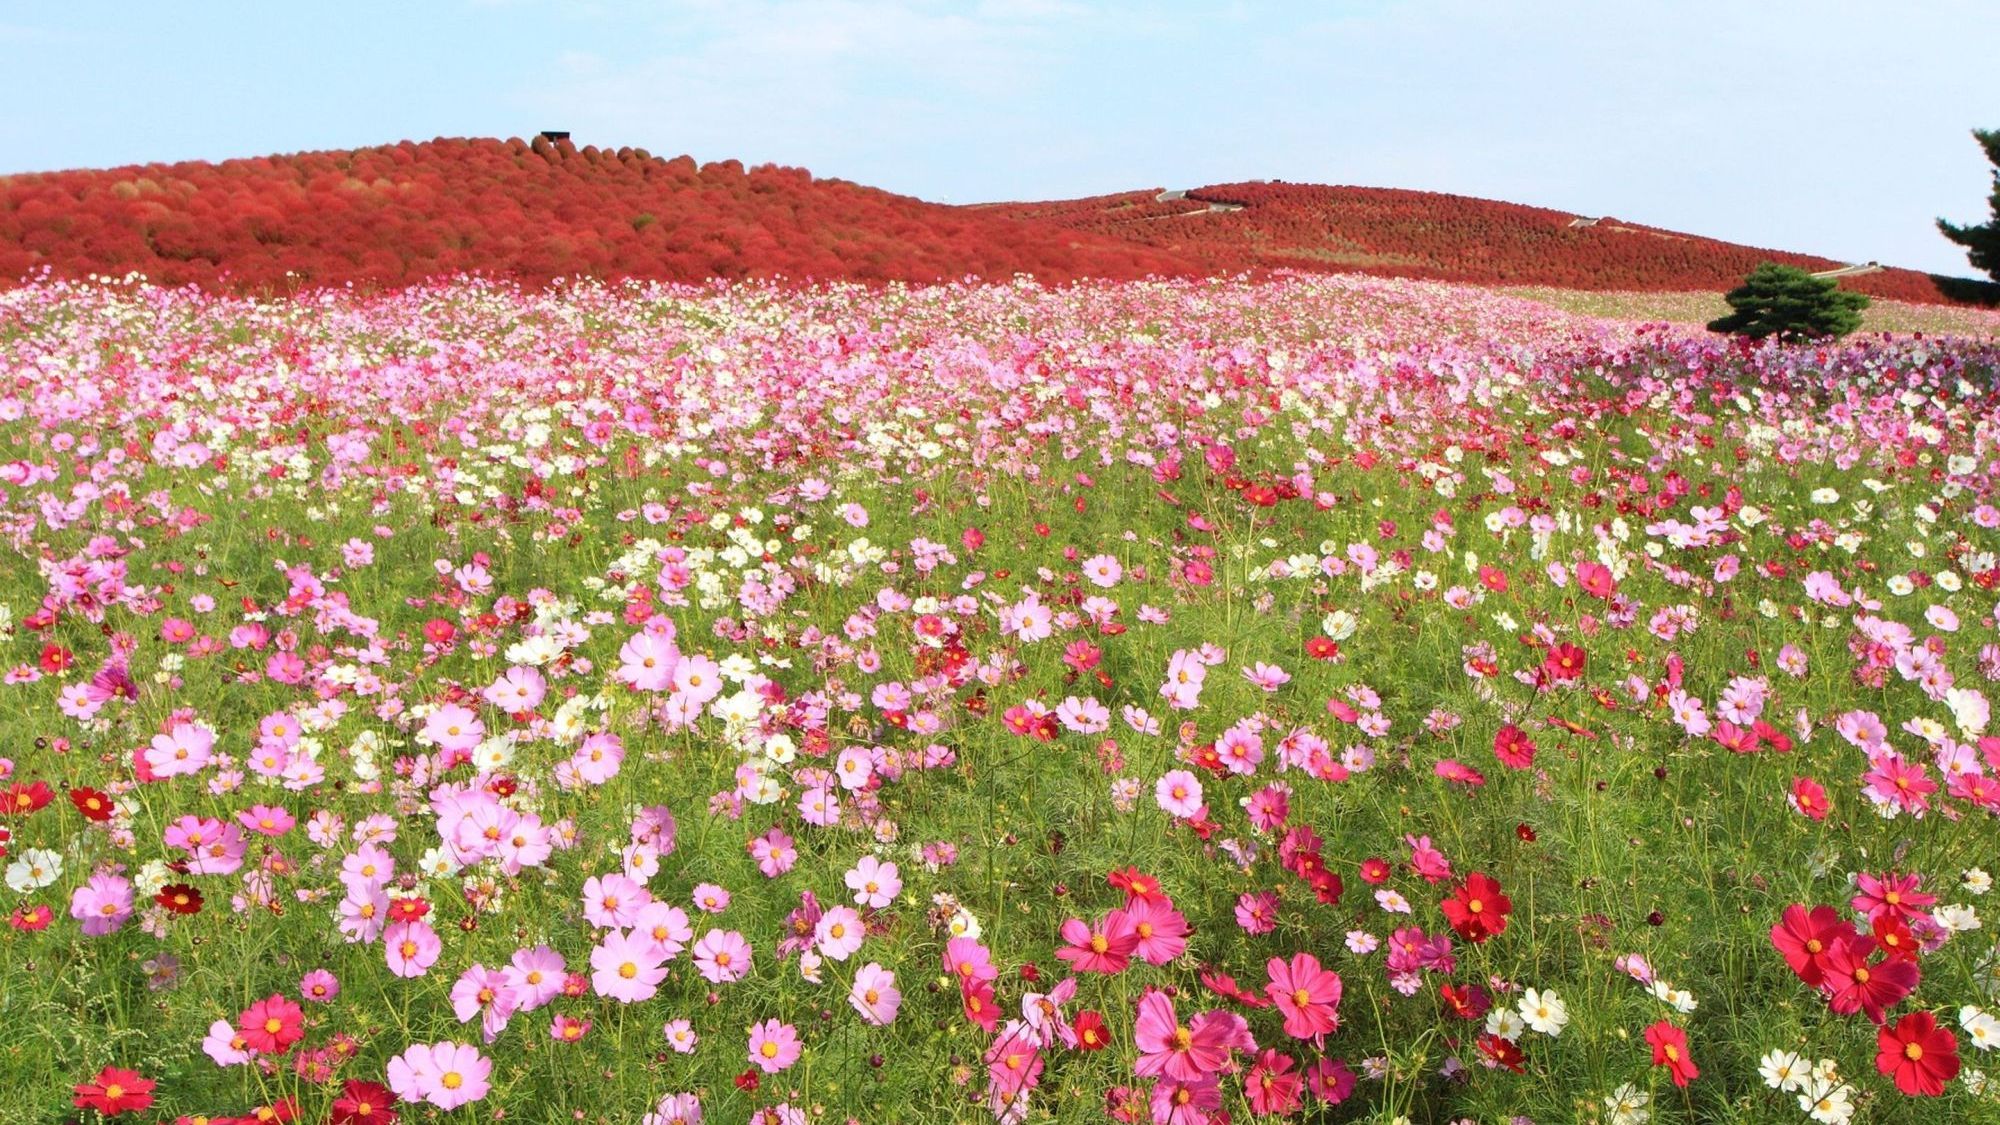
x: 400, y: 213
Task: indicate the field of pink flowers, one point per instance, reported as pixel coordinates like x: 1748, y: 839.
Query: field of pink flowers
x: 1323, y: 698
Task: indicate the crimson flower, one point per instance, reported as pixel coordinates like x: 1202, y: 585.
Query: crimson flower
x: 1918, y: 1054
x: 115, y: 1091
x: 1514, y: 748
x: 364, y: 1103
x: 1856, y: 984
x: 1670, y: 1049
x: 1805, y: 938
x: 1478, y: 911
x: 272, y: 1025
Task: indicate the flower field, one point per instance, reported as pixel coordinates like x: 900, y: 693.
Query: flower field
x: 1321, y: 698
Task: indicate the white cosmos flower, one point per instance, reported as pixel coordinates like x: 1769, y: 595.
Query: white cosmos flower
x: 35, y: 868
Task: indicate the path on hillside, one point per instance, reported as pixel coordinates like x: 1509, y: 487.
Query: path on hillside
x: 1209, y: 209
x: 1851, y: 271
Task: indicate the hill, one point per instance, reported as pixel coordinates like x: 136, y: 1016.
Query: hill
x: 1247, y: 226
x: 399, y: 213
x: 396, y: 214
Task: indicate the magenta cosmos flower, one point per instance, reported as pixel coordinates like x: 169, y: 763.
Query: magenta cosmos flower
x: 447, y: 1075
x: 774, y: 1046
x: 102, y: 904
x: 1306, y: 994
x: 1190, y: 1052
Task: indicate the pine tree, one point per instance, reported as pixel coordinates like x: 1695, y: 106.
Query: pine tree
x: 1982, y: 242
x: 1791, y: 304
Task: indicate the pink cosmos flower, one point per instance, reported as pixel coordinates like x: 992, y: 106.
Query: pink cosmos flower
x: 568, y: 1029
x: 486, y: 993
x: 613, y: 901
x: 874, y: 994
x: 183, y: 750
x: 447, y: 1075
x: 1102, y: 571
x: 411, y: 948
x: 1890, y: 895
x: 1257, y: 913
x: 1307, y: 995
x: 1269, y: 677
x: 453, y: 728
x: 267, y: 820
x: 519, y: 689
x: 1178, y: 793
x: 666, y: 926
x: 102, y: 904
x: 875, y: 884
x: 319, y: 986
x: 1159, y: 931
x: 969, y: 961
x: 774, y: 1046
x: 647, y: 661
x: 722, y: 956
x: 1190, y: 1052
x: 1104, y: 948
x: 626, y: 967
x: 839, y: 933
x: 536, y: 976
x: 774, y: 853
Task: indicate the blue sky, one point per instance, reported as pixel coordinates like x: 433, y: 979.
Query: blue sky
x: 1838, y: 127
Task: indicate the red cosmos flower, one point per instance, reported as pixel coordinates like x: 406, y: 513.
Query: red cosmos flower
x: 1137, y: 885
x: 115, y: 1091
x: 92, y: 803
x: 272, y: 1025
x: 1479, y: 910
x: 1323, y: 648
x: 1918, y: 1054
x: 748, y: 1081
x: 408, y: 909
x: 1222, y: 984
x: 364, y: 1103
x: 31, y: 919
x: 1806, y: 938
x: 1466, y: 1001
x: 1895, y: 939
x: 1503, y: 1052
x: 1808, y: 799
x: 1513, y: 747
x: 1493, y: 578
x: 1670, y: 1049
x: 56, y: 659
x: 179, y: 898
x: 1565, y: 662
x: 1374, y: 872
x: 22, y: 798
x: 980, y: 1006
x: 1856, y: 984
x: 1091, y: 1034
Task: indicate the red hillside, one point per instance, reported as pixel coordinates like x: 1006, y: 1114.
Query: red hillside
x: 399, y: 213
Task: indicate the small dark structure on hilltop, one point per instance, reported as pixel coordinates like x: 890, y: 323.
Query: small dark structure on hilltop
x: 554, y: 135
